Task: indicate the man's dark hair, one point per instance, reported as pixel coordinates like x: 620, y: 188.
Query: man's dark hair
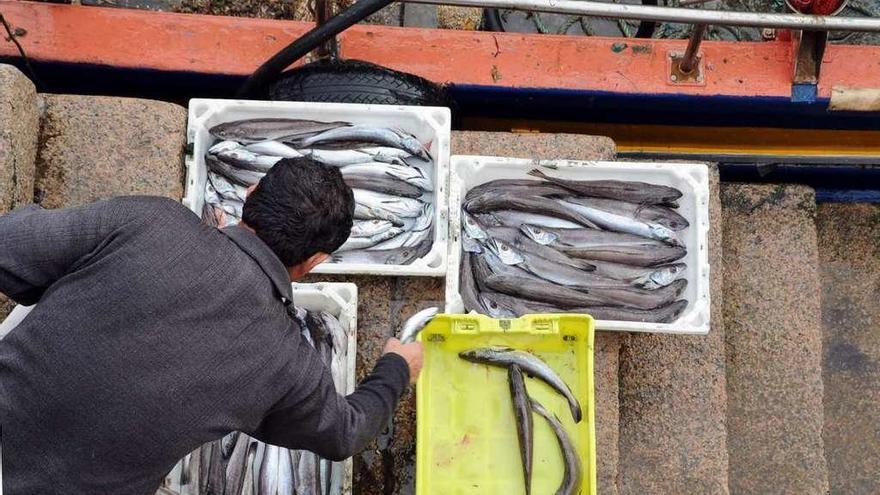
x: 300, y: 208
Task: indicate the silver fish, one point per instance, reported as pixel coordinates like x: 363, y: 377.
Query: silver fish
x: 259, y: 458
x: 274, y: 129
x: 379, y: 135
x: 272, y: 148
x: 399, y: 256
x: 239, y: 176
x: 364, y: 212
x: 530, y: 364
x: 573, y: 474
x: 222, y: 146
x: 419, y: 232
x: 472, y: 227
x: 634, y: 192
x: 217, y: 469
x: 227, y: 444
x: 339, y: 158
x: 470, y: 297
x: 401, y: 207
x: 492, y: 200
x: 605, y: 246
x: 621, y: 223
x: 529, y: 186
x: 540, y: 290
x: 308, y: 479
x: 517, y: 239
x: 246, y: 160
x: 503, y: 306
x: 185, y: 469
x: 552, y: 271
x: 204, y: 465
x: 236, y: 470
x: 368, y: 228
x: 661, y: 215
x: 519, y: 397
x: 247, y: 482
x: 412, y: 175
x: 387, y: 154
x: 338, y: 338
x: 325, y: 468
x: 365, y: 242
x: 385, y: 185
x: 225, y: 189
x: 415, y: 323
x: 269, y: 469
x: 646, y: 278
x: 285, y: 475
x: 512, y: 218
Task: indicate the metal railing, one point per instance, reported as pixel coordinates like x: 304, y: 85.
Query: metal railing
x: 676, y: 14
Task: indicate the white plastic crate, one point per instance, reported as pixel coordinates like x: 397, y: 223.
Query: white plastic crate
x: 341, y: 301
x: 430, y: 125
x: 690, y: 178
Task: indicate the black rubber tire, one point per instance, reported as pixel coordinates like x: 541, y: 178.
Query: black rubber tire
x: 355, y: 81
x: 492, y: 22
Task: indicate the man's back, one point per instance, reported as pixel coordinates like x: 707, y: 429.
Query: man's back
x: 154, y: 333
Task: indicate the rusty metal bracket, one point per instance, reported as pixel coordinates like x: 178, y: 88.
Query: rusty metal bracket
x: 687, y: 68
x: 809, y: 52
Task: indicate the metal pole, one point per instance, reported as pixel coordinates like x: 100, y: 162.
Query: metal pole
x: 675, y: 14
x: 689, y: 61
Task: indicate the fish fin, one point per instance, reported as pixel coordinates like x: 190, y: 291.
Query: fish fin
x: 541, y: 175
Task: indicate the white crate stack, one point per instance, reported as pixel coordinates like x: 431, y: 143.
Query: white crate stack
x: 689, y: 178
x: 430, y: 125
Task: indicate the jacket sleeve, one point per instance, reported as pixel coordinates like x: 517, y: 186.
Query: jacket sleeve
x: 318, y: 419
x: 38, y: 246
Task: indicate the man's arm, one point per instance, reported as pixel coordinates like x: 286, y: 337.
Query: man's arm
x: 337, y: 427
x: 37, y: 246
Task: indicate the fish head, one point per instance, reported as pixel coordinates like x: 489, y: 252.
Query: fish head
x: 470, y: 245
x: 472, y: 227
x: 504, y: 251
x: 483, y: 354
x: 538, y: 234
x: 496, y: 306
x: 425, y: 218
x: 224, y: 146
x: 665, y: 234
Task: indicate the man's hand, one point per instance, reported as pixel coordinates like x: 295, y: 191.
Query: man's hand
x: 412, y: 353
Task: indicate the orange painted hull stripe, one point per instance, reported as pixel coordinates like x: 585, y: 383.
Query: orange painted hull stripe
x: 127, y: 38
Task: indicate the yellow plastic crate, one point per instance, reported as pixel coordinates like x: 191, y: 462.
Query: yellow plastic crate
x: 466, y: 435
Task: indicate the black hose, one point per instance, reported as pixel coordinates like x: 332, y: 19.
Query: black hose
x: 271, y: 69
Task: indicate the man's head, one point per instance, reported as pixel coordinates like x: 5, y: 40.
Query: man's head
x: 302, y: 210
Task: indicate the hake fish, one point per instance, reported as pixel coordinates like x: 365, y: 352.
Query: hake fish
x: 573, y: 473
x: 271, y: 129
x: 400, y: 207
x: 551, y: 271
x: 517, y: 239
x: 621, y: 223
x: 633, y: 192
x: 385, y: 185
x: 246, y: 160
x: 269, y: 469
x: 399, y: 256
x: 504, y: 306
x: 524, y: 425
x: 239, y: 176
x: 366, y: 242
x: 493, y: 200
x: 513, y: 218
x: 530, y: 364
x: 661, y: 215
x: 368, y: 228
x: 649, y: 278
x: 272, y: 148
x: 379, y: 135
x: 605, y: 246
x: 415, y: 323
x: 411, y: 175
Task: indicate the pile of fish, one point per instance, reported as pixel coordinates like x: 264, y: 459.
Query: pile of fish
x: 518, y: 363
x: 389, y: 170
x: 602, y: 247
x: 240, y: 465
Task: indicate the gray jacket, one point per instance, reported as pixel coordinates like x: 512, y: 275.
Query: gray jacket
x: 154, y: 334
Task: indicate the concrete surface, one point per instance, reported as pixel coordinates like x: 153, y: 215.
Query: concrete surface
x: 464, y: 18
x: 673, y: 400
x: 19, y: 128
x: 606, y: 366
x: 419, y: 15
x: 94, y: 147
x: 849, y: 256
x: 533, y: 145
x: 773, y: 340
